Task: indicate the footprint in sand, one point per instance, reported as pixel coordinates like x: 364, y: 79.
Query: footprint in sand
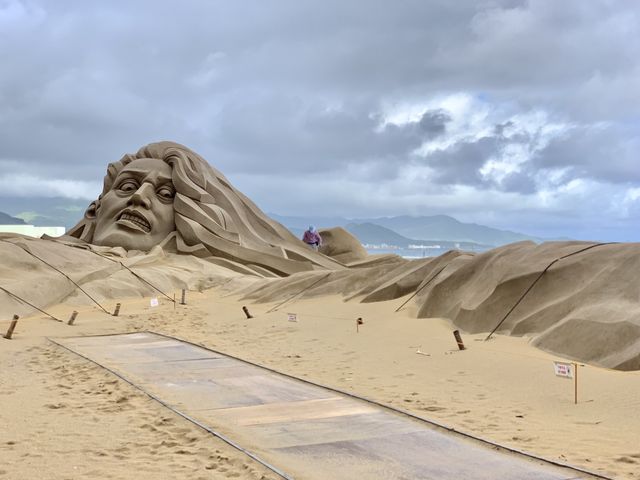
x: 432, y: 408
x: 626, y: 459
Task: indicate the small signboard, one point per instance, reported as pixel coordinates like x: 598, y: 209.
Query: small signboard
x: 563, y: 369
x: 154, y: 302
x: 292, y: 317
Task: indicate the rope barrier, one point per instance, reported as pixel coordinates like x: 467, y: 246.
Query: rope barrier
x: 420, y: 289
x: 538, y: 278
x: 296, y: 294
x: 134, y: 274
x: 428, y: 282
x: 27, y: 303
x: 61, y: 272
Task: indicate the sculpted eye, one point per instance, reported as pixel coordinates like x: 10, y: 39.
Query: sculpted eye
x: 165, y: 193
x: 128, y: 186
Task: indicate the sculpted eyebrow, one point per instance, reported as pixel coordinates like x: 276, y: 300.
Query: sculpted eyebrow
x: 142, y: 173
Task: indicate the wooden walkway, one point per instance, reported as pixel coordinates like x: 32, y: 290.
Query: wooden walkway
x: 305, y: 431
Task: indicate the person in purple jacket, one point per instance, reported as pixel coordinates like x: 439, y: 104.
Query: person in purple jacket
x: 312, y: 238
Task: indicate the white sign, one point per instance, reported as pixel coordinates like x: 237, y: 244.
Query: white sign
x: 154, y: 302
x: 292, y: 317
x: 563, y: 369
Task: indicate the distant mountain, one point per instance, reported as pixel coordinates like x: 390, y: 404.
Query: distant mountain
x: 6, y: 219
x: 440, y: 228
x: 443, y: 227
x: 46, y: 212
x: 373, y: 234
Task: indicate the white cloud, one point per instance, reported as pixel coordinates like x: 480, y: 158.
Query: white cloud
x: 31, y: 186
x: 325, y: 100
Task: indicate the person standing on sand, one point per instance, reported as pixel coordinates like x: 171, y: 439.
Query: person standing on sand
x: 312, y: 238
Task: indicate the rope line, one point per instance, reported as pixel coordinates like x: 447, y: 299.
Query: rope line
x: 428, y: 282
x: 27, y: 303
x: 420, y: 289
x: 273, y: 309
x: 538, y: 278
x: 62, y: 273
x: 135, y: 275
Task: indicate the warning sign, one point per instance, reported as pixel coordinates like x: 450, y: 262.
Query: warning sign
x: 292, y: 317
x: 563, y: 369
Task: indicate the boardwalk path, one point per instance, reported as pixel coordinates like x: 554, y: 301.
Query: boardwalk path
x: 305, y: 431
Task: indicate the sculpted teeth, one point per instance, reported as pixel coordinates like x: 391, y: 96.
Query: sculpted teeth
x: 138, y: 220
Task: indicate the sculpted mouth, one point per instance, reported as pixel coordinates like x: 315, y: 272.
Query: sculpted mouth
x: 131, y: 217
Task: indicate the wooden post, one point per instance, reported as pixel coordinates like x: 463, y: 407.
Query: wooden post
x: 73, y: 318
x: 575, y: 384
x: 117, y: 312
x: 359, y: 322
x: 456, y: 333
x: 12, y: 327
x: 246, y: 312
x: 184, y: 295
x: 174, y: 300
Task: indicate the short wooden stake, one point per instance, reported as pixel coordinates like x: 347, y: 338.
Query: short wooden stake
x: 246, y: 312
x: 575, y: 384
x: 456, y: 333
x: 117, y: 311
x: 12, y: 327
x: 359, y: 322
x: 73, y: 318
x: 184, y: 296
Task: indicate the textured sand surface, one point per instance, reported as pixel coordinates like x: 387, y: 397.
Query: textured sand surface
x: 577, y: 299
x: 66, y: 418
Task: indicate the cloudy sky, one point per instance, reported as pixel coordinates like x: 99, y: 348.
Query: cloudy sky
x: 515, y: 114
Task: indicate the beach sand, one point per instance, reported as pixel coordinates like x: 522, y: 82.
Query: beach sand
x: 63, y: 417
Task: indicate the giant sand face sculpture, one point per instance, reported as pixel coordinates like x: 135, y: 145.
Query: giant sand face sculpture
x: 167, y: 195
x: 137, y: 213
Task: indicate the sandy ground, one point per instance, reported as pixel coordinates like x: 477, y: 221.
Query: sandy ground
x: 64, y: 418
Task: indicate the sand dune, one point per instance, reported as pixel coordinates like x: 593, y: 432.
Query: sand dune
x: 586, y: 306
x: 64, y: 414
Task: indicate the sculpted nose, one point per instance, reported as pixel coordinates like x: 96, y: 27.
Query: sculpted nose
x: 142, y: 196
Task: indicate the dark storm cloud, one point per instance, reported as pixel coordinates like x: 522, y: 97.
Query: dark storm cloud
x: 289, y: 88
x: 313, y: 138
x: 600, y: 152
x: 521, y: 182
x: 461, y: 163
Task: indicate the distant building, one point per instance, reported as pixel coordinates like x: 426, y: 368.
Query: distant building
x: 33, y: 231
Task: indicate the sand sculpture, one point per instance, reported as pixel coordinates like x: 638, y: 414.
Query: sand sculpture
x: 167, y: 195
x: 167, y: 213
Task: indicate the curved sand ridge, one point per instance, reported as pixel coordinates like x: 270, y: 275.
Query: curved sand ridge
x: 585, y: 306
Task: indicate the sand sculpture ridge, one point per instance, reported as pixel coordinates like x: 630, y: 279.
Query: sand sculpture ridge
x: 178, y: 221
x: 165, y: 194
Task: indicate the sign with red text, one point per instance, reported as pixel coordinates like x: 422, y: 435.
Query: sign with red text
x: 292, y: 317
x: 563, y: 369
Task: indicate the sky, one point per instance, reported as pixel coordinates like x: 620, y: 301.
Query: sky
x: 522, y: 115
